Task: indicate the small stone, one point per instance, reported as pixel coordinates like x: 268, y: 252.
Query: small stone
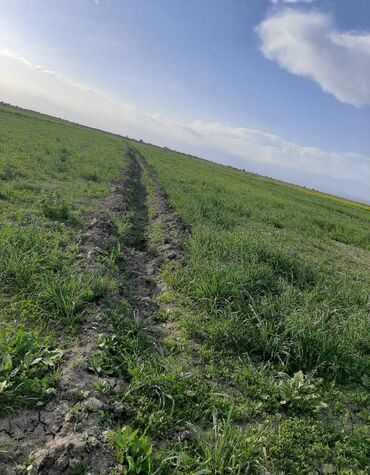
x: 93, y: 404
x: 119, y: 387
x: 68, y: 417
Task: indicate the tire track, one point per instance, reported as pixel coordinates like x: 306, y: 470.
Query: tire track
x: 67, y: 434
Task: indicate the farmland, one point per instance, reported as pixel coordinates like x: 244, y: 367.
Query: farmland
x: 163, y: 314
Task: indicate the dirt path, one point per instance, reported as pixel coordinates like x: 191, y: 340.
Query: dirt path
x: 67, y: 435
x: 142, y: 261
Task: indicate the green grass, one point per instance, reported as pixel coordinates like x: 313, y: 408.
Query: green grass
x: 265, y: 361
x: 274, y: 292
x: 52, y: 178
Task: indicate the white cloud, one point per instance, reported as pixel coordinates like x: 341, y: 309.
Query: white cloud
x: 22, y: 60
x: 308, y: 44
x: 31, y: 86
x: 271, y: 149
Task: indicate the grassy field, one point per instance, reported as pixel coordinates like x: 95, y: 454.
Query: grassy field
x: 52, y: 176
x: 244, y: 348
x: 273, y: 294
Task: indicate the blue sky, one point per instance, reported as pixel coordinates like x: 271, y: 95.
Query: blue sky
x: 277, y: 87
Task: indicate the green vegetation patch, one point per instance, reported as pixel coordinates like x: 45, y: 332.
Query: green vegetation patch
x: 52, y: 178
x: 271, y: 309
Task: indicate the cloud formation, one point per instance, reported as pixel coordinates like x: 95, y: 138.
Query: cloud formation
x: 308, y: 44
x: 31, y: 86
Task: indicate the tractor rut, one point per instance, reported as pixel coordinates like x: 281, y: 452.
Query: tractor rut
x: 68, y: 433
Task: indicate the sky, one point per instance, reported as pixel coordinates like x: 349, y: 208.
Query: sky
x: 276, y: 87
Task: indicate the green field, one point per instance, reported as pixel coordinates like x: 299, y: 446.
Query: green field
x: 52, y: 176
x: 249, y: 350
x: 274, y: 291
